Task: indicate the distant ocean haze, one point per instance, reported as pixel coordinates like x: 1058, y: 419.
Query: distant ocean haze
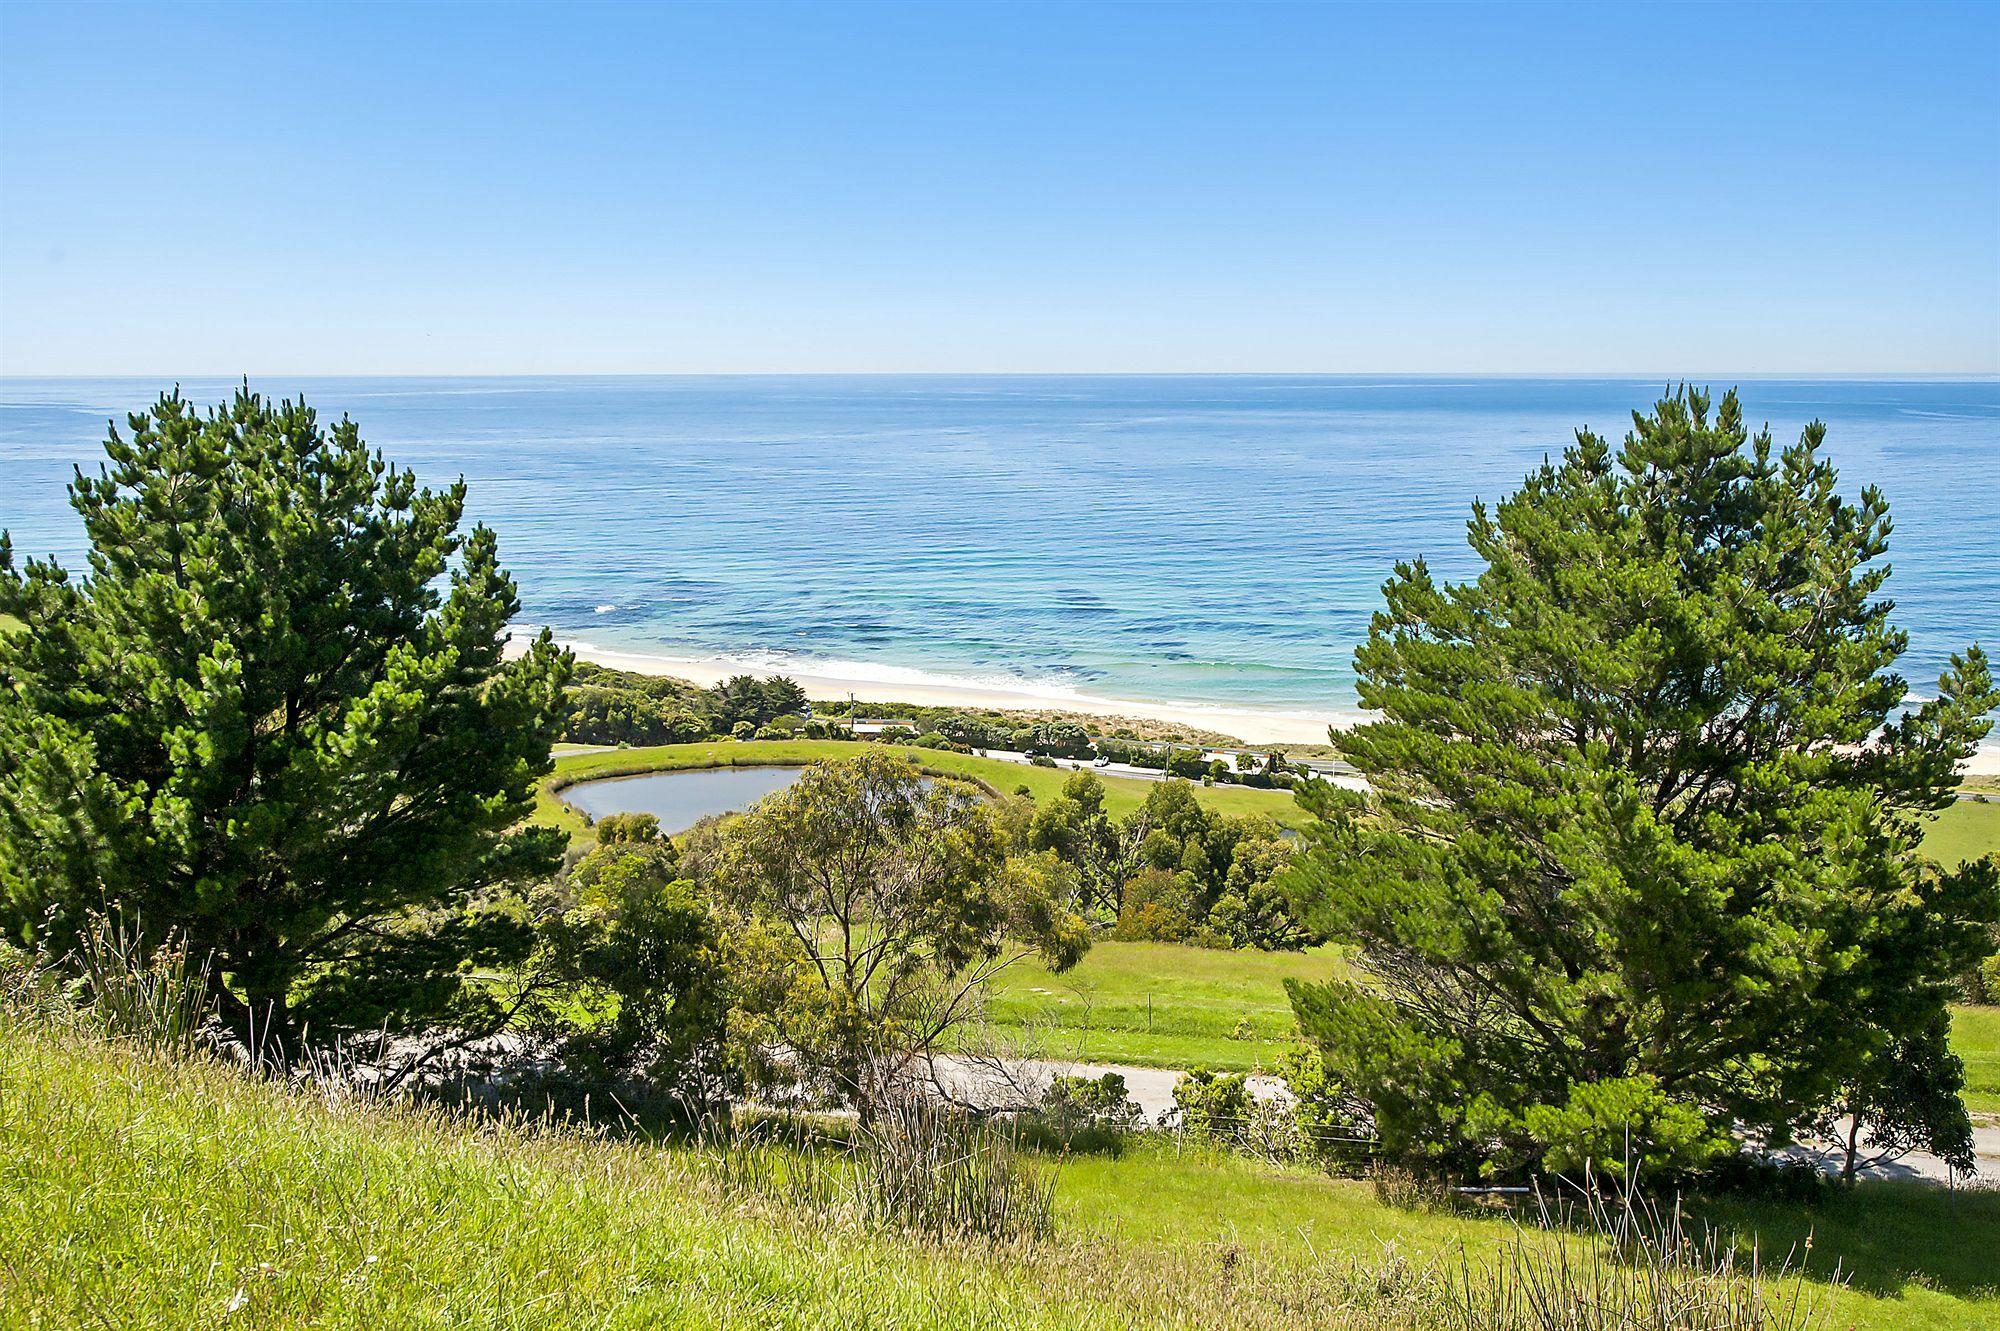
x: 1209, y: 540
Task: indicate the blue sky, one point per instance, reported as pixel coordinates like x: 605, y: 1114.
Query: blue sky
x: 488, y: 189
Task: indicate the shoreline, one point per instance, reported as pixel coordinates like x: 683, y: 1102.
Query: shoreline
x: 1251, y: 725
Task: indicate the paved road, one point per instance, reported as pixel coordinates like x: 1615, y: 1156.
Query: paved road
x: 1018, y: 1083
x: 1916, y: 1165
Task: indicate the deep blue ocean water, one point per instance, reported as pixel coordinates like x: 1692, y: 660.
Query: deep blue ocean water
x: 1208, y: 539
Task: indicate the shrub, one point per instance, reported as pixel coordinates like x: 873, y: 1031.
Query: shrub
x: 612, y: 707
x: 1087, y: 1113
x: 920, y: 1169
x: 1622, y: 1123
x: 1329, y: 1124
x: 1060, y: 739
x: 1220, y: 887
x: 647, y: 976
x: 934, y: 1171
x: 1130, y: 752
x: 1157, y: 905
x: 1981, y: 983
x: 1746, y: 1174
x: 1220, y: 1107
x: 1620, y: 1261
x: 157, y: 996
x: 1212, y: 1104
x: 741, y: 698
x: 974, y: 732
x: 684, y: 727
x: 614, y: 828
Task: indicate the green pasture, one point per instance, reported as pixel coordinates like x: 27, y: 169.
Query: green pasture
x: 1965, y: 831
x: 1158, y: 1005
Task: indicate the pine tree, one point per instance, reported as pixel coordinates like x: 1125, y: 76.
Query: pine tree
x: 274, y: 718
x: 1640, y: 862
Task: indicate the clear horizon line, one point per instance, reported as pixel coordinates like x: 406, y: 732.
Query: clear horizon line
x: 1573, y: 375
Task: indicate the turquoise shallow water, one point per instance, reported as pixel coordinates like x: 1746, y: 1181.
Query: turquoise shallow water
x: 1208, y: 539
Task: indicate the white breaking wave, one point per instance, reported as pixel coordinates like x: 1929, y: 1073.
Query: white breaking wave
x: 1053, y: 691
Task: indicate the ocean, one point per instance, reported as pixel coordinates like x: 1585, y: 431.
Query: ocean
x: 1185, y: 539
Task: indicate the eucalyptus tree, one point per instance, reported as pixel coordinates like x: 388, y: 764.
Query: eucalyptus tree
x: 898, y: 904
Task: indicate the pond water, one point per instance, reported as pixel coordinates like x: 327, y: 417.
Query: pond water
x: 681, y: 799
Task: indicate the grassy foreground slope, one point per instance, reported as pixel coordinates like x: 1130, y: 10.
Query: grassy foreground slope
x: 138, y: 1191
x: 1914, y: 1256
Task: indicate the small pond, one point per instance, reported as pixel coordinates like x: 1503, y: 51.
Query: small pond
x: 681, y: 799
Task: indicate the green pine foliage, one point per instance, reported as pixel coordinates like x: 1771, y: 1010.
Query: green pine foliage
x: 1640, y: 871
x: 273, y: 721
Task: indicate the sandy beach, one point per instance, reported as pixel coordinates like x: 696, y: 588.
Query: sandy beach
x: 1247, y: 724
